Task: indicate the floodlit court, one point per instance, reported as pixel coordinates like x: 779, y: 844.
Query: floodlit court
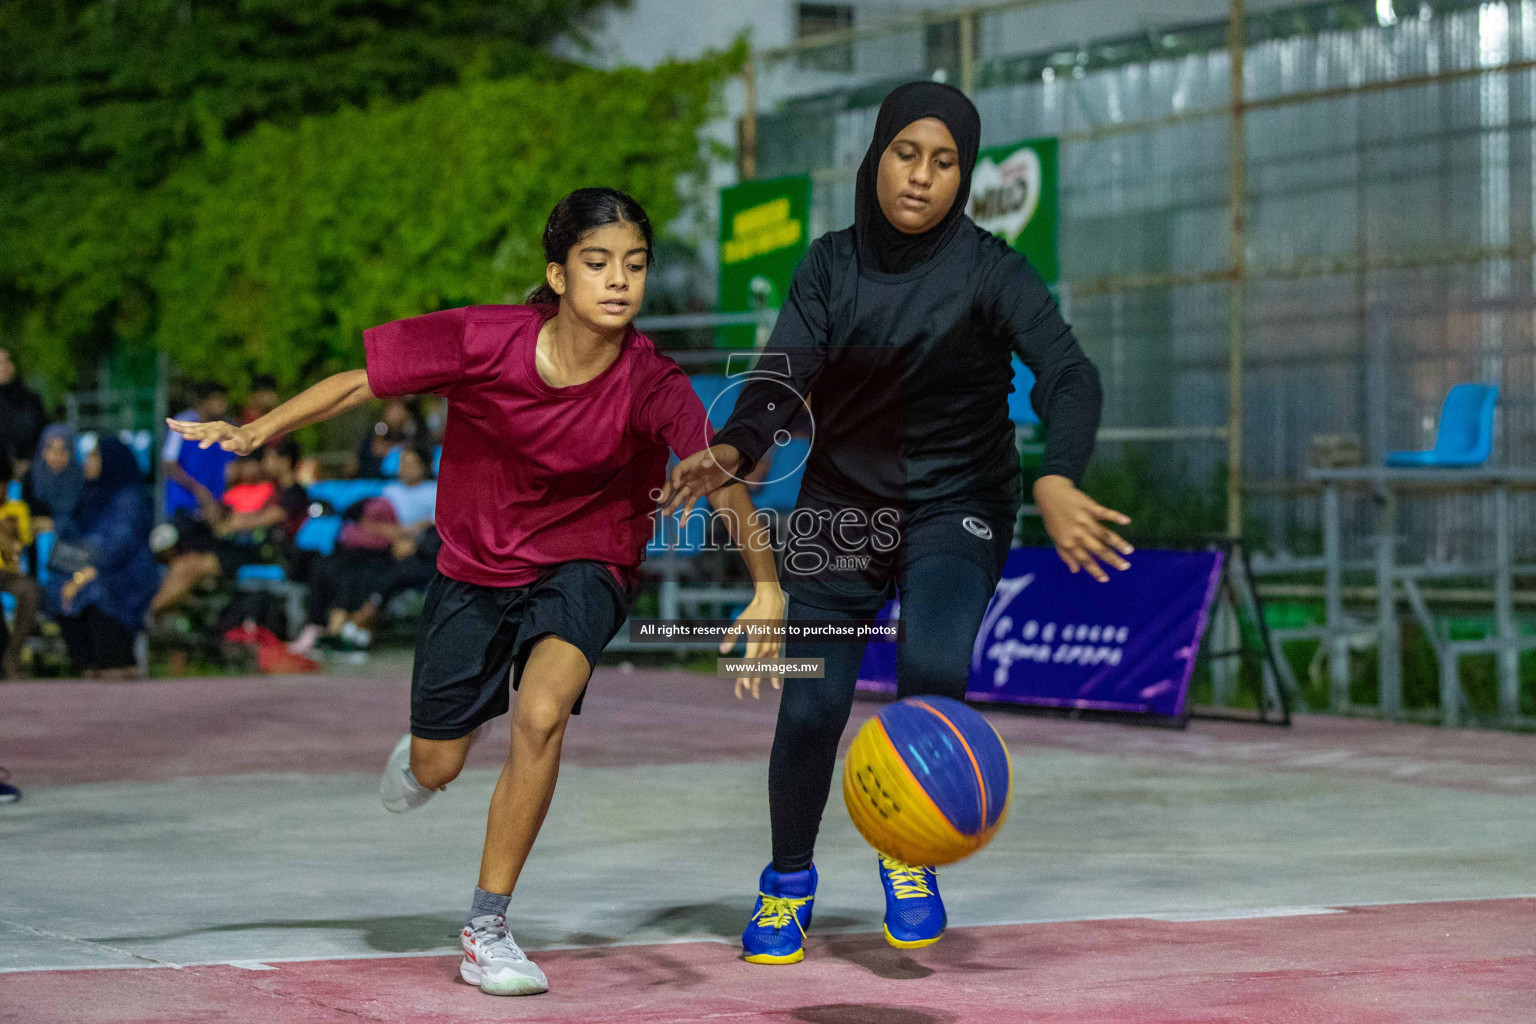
x: 215, y: 850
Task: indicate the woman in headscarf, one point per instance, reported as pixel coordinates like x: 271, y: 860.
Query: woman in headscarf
x: 102, y: 574
x: 900, y: 332
x: 56, y: 476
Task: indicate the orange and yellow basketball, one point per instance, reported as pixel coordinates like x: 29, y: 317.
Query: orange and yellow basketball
x: 927, y: 781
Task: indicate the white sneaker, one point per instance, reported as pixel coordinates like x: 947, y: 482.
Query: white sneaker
x: 398, y: 788
x: 493, y: 961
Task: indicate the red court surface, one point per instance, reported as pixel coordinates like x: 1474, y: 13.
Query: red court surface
x: 1456, y: 963
x: 75, y: 732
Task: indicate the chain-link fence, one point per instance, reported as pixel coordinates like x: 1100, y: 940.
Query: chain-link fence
x: 1390, y: 171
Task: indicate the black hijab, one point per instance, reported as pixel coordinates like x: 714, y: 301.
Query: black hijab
x: 119, y: 472
x: 882, y: 245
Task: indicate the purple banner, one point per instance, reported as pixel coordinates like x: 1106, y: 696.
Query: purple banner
x: 1061, y: 640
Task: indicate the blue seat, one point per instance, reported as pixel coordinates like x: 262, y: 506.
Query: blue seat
x: 343, y: 494
x: 389, y: 465
x: 437, y: 458
x: 44, y: 543
x: 1019, y: 409
x: 273, y: 573
x: 1465, y: 436
x: 319, y: 534
x: 709, y: 387
x: 781, y: 491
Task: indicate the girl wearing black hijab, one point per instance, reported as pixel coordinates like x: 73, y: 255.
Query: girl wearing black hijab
x: 900, y: 332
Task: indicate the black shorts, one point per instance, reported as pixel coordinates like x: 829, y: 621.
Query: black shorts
x: 853, y: 559
x: 474, y: 641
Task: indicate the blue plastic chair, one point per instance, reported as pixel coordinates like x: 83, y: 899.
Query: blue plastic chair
x: 389, y: 466
x: 1019, y: 409
x: 1465, y: 436
x: 782, y: 493
x: 318, y: 534
x: 343, y: 494
x: 44, y: 543
x: 273, y: 573
x: 709, y: 387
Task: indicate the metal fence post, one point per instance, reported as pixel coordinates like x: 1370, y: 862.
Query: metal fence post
x: 1389, y: 664
x: 746, y: 158
x: 1237, y: 155
x: 1450, y: 687
x: 1333, y: 580
x: 968, y: 52
x: 1504, y: 606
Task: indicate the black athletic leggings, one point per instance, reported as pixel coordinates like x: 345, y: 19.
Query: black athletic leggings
x: 943, y: 598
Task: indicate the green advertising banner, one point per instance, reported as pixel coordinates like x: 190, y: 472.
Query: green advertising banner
x: 764, y: 230
x: 1013, y: 195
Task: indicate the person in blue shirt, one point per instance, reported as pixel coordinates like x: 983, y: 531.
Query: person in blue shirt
x: 100, y: 604
x: 184, y: 464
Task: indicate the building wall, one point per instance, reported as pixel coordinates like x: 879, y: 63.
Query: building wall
x: 651, y: 31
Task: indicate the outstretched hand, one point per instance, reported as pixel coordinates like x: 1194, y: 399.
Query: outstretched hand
x: 1075, y: 523
x: 699, y: 474
x: 240, y: 440
x: 767, y: 608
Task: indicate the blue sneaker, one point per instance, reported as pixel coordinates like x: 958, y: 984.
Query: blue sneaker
x: 914, y: 913
x: 776, y: 930
x: 9, y: 794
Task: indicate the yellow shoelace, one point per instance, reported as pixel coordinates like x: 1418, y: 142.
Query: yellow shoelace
x: 907, y: 880
x: 778, y: 911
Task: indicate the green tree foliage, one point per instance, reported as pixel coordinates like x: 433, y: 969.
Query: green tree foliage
x: 297, y: 239
x: 102, y: 100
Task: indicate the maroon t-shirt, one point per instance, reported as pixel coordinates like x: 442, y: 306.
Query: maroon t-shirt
x: 534, y: 475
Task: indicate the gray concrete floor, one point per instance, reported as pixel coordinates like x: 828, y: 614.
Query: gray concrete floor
x: 266, y: 867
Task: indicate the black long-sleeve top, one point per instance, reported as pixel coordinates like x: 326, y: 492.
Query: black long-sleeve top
x: 908, y: 375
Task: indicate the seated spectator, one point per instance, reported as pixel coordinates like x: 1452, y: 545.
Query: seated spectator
x: 230, y: 537
x: 414, y: 494
x: 101, y: 572
x: 56, y: 478
x: 415, y: 545
x: 15, y: 535
x: 392, y: 548
x: 186, y: 465
x: 261, y: 400
x: 22, y: 416
x: 248, y: 488
x: 346, y: 587
x: 400, y: 425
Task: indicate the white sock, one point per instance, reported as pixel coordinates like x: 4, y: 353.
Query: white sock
x: 306, y: 639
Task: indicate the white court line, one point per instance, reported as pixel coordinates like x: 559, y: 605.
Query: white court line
x: 1166, y: 916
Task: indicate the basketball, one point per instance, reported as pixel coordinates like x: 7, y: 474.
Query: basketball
x: 927, y: 781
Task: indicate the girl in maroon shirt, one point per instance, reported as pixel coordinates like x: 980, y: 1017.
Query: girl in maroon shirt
x: 560, y: 419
